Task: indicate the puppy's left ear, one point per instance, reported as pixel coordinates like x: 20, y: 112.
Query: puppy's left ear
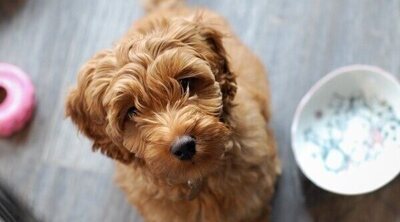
x: 86, y: 111
x: 219, y: 62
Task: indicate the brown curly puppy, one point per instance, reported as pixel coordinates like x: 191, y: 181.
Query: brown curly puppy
x: 183, y: 106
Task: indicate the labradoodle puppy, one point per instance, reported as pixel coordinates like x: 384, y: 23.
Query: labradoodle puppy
x: 183, y: 107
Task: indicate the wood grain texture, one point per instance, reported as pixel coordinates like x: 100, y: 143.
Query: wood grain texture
x: 52, y: 168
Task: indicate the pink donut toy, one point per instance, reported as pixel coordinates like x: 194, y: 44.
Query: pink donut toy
x: 17, y: 99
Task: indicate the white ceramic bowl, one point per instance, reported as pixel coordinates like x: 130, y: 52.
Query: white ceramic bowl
x: 346, y: 130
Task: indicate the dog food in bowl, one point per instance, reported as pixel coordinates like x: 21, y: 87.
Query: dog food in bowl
x: 346, y: 130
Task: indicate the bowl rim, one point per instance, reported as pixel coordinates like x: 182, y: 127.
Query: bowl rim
x: 306, y: 98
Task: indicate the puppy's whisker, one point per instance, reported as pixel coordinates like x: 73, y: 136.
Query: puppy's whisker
x: 150, y: 121
x: 187, y: 94
x: 194, y: 97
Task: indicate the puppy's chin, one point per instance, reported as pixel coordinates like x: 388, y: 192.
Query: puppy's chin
x: 210, y: 147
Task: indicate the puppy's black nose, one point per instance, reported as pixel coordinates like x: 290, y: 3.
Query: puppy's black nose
x: 184, y: 148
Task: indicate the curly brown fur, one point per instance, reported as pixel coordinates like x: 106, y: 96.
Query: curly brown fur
x: 225, y: 108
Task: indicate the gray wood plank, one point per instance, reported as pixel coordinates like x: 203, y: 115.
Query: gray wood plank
x: 52, y: 168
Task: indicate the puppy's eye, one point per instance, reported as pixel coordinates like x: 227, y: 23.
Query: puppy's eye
x: 185, y: 83
x: 131, y: 112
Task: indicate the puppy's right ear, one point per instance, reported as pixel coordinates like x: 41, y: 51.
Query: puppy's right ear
x: 85, y: 108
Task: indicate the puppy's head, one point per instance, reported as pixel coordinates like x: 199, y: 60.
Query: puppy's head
x: 160, y: 98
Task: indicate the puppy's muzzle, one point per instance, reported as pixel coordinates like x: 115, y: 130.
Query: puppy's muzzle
x: 184, y: 148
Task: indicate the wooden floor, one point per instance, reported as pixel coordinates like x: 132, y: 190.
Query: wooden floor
x: 52, y: 168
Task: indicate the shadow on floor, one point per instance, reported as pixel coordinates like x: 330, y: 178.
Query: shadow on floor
x: 381, y: 205
x: 12, y: 209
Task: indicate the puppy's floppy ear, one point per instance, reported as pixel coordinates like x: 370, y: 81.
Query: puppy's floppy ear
x: 220, y: 64
x: 84, y: 106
